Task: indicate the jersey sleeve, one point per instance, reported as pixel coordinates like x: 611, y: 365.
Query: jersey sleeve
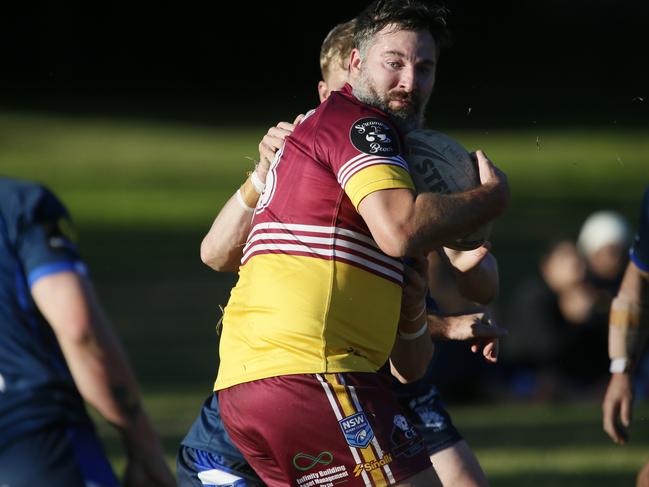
x: 364, y: 152
x: 640, y: 247
x: 46, y: 237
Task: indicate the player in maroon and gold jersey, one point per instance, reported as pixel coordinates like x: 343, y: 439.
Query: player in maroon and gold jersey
x: 313, y: 315
x: 207, y: 455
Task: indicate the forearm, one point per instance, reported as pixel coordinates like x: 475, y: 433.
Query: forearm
x: 439, y: 218
x: 405, y: 224
x: 411, y: 354
x: 93, y: 354
x: 105, y: 380
x: 222, y: 247
x: 629, y: 320
x: 479, y: 284
x: 438, y: 327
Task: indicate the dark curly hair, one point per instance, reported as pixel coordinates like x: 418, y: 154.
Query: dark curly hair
x: 404, y: 15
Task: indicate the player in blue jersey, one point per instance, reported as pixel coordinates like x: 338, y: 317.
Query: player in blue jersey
x: 57, y: 349
x: 627, y: 336
x: 207, y: 456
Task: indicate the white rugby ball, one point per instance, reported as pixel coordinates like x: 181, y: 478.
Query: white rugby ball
x: 439, y: 164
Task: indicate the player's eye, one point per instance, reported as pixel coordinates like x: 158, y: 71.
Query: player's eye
x: 394, y: 64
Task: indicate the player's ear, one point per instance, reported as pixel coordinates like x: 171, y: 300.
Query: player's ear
x: 323, y: 90
x: 355, y: 62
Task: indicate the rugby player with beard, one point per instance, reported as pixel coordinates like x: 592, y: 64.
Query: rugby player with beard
x: 284, y: 363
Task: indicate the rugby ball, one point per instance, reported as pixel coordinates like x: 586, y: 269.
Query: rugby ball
x: 439, y: 164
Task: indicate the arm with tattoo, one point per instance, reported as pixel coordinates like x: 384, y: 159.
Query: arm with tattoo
x: 101, y: 370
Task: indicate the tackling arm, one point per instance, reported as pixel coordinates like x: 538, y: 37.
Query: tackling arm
x: 222, y: 247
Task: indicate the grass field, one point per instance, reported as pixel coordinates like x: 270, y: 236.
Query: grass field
x: 143, y: 194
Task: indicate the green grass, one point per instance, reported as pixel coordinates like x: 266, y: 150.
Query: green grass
x: 143, y: 194
x: 127, y: 173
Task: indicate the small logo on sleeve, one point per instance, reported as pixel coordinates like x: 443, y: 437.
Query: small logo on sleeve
x: 374, y: 136
x: 60, y: 233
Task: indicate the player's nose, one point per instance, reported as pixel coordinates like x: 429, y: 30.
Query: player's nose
x: 407, y: 79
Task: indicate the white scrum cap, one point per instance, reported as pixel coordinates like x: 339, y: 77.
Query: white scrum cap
x: 600, y: 229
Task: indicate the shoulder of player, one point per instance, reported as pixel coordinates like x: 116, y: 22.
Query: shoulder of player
x: 27, y: 201
x: 343, y: 114
x: 25, y: 193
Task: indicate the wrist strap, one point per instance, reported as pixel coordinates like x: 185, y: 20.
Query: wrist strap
x: 256, y: 182
x: 421, y: 313
x: 619, y: 365
x: 248, y: 193
x: 413, y: 336
x: 242, y: 202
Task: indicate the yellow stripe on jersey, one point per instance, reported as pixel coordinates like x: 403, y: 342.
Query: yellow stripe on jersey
x: 292, y: 314
x: 376, y: 178
x: 348, y: 409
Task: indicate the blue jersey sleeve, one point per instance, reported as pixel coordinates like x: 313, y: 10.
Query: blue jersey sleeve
x: 640, y: 247
x: 45, y: 236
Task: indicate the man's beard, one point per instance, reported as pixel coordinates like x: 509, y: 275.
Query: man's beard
x: 406, y: 118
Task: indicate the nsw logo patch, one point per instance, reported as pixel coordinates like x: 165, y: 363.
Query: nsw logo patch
x: 374, y: 136
x: 357, y: 430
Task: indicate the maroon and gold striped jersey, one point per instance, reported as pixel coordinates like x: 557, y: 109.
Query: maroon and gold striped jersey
x: 315, y: 293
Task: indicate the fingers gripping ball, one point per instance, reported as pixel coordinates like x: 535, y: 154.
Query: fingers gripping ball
x: 439, y: 164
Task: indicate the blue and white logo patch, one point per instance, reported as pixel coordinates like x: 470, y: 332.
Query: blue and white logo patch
x: 357, y: 430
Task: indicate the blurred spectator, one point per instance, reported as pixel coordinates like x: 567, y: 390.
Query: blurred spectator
x: 603, y: 241
x: 536, y: 322
x: 558, y: 318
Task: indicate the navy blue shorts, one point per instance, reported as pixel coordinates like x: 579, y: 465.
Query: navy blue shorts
x: 59, y: 455
x: 200, y: 468
x: 428, y: 414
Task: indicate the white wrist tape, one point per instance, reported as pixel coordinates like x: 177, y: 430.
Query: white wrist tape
x: 415, y: 318
x: 413, y: 336
x: 243, y: 203
x: 619, y: 366
x: 256, y: 182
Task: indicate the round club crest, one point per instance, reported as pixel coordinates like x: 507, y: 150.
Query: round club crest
x: 374, y: 136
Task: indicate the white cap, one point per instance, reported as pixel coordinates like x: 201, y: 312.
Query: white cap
x: 600, y: 229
